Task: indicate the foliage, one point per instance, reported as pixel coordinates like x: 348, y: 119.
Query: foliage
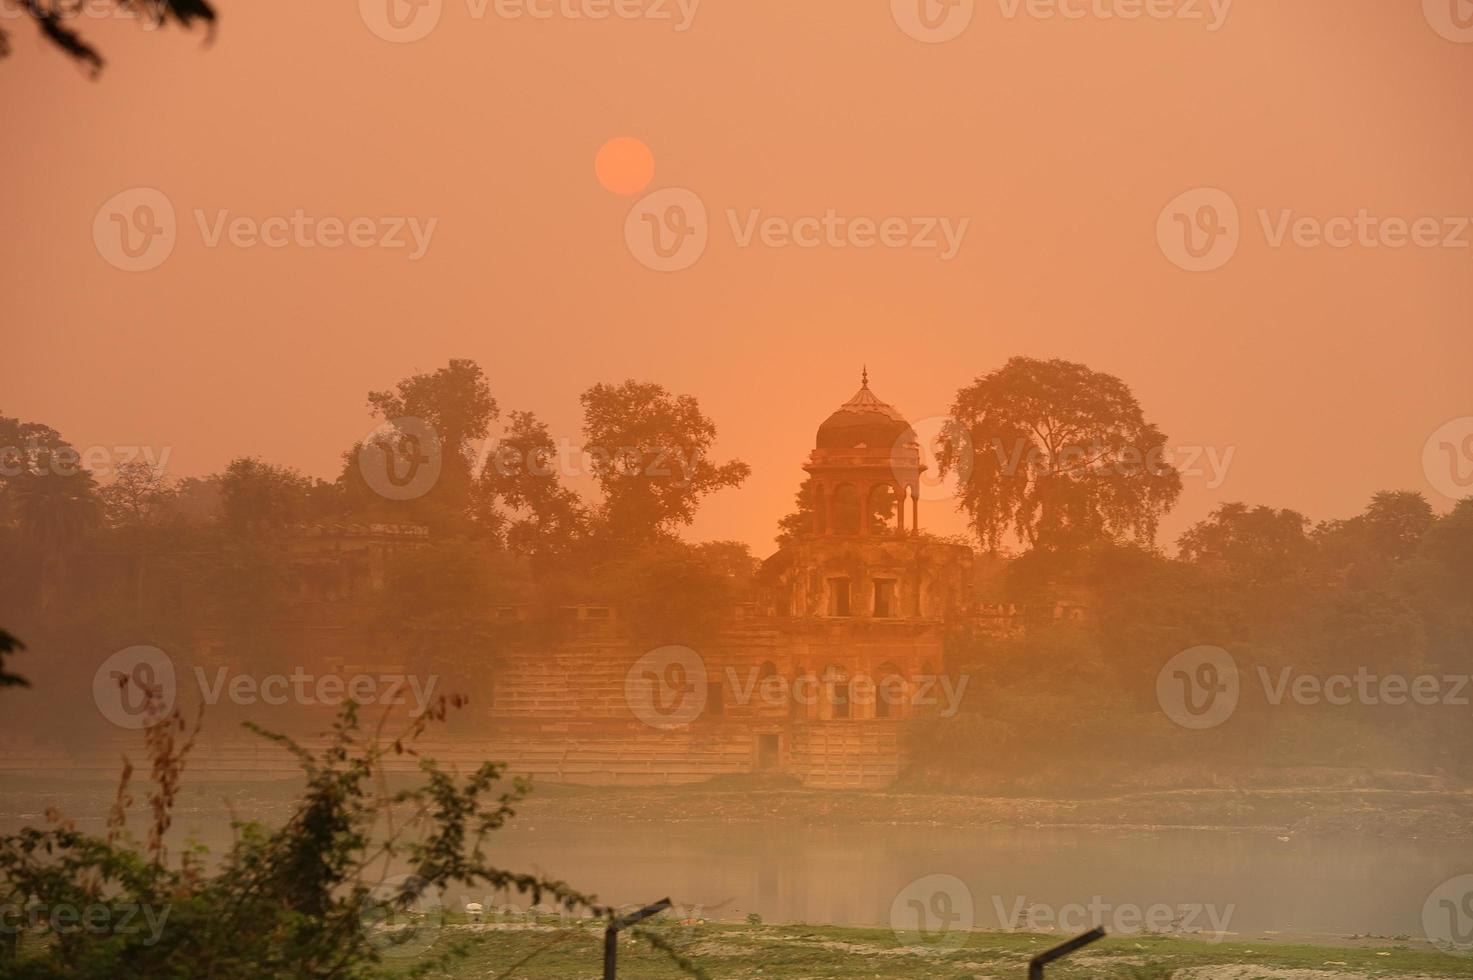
x: 522, y: 474
x: 1057, y: 454
x: 307, y: 899
x: 139, y: 497
x: 50, y: 19
x: 1074, y: 704
x: 258, y: 497
x: 650, y: 454
x: 9, y: 645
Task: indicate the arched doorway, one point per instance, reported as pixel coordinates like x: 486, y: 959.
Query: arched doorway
x: 844, y: 513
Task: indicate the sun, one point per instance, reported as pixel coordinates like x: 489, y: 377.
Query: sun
x: 624, y: 165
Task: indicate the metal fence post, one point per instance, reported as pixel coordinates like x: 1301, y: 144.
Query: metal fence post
x: 611, y: 934
x: 1036, y: 965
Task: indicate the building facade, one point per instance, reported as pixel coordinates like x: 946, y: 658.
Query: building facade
x: 813, y: 680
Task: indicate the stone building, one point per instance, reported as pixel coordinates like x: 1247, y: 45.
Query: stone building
x: 813, y: 679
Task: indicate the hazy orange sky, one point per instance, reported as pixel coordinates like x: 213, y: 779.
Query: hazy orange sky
x: 1061, y: 141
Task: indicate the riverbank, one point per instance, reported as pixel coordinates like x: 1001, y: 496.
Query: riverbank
x: 1405, y: 814
x: 803, y: 952
x: 1395, y: 813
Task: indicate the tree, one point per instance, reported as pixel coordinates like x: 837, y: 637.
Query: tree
x: 136, y: 502
x: 672, y: 592
x: 53, y: 506
x: 523, y: 474
x: 1057, y: 454
x: 454, y: 408
x: 138, y: 497
x: 50, y: 18
x: 256, y: 496
x: 455, y: 401
x: 310, y: 898
x: 1257, y: 544
x: 650, y: 453
x: 1396, y: 522
x: 798, y: 525
x: 27, y: 448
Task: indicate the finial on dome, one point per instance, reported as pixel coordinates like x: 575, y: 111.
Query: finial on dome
x: 864, y: 376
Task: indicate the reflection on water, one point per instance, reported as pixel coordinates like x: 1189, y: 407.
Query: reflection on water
x: 850, y: 876
x: 1325, y: 886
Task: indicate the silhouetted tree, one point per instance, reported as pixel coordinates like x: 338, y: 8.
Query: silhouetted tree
x: 1058, y: 454
x: 53, y: 507
x: 50, y: 17
x: 523, y: 474
x: 1259, y: 543
x: 454, y: 406
x: 650, y: 453
x: 258, y: 496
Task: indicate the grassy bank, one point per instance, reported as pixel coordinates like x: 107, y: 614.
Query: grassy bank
x: 822, y: 952
x: 1371, y: 811
x: 1444, y: 814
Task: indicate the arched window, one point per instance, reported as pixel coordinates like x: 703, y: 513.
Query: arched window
x: 844, y: 513
x: 836, y: 691
x: 769, y: 692
x: 890, y: 693
x: 882, y: 501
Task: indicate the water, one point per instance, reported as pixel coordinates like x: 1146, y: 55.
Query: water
x: 1254, y: 884
x: 1246, y: 884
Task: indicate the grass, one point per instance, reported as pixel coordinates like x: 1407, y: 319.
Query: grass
x: 791, y: 952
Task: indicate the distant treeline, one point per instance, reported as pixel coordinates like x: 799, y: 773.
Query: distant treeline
x: 1352, y: 639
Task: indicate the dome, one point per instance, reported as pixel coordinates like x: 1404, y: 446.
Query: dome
x: 864, y: 422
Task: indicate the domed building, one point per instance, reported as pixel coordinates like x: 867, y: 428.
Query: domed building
x: 811, y: 679
x: 866, y: 463
x: 862, y: 557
